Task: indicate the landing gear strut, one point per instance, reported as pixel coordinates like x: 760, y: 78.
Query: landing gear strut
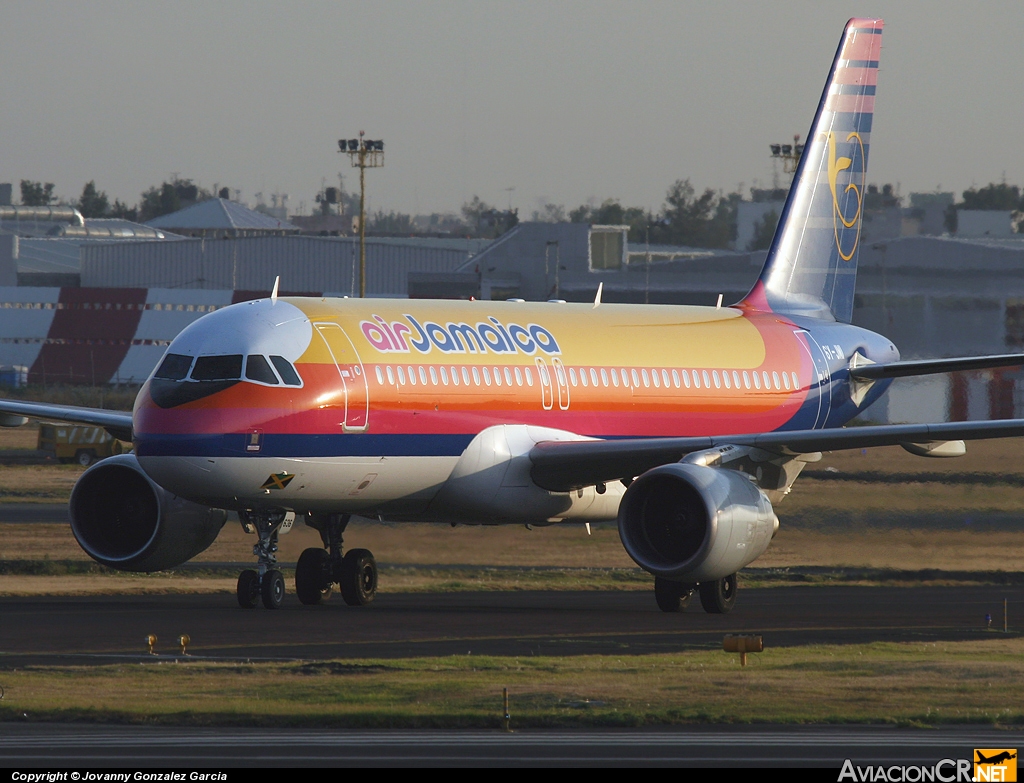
x: 717, y: 596
x: 266, y: 582
x: 318, y: 570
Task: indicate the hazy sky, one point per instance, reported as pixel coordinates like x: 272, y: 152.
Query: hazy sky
x: 563, y: 101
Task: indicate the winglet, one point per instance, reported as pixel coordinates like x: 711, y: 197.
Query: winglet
x: 597, y: 299
x: 273, y: 294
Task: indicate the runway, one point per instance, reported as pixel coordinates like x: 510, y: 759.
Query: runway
x: 58, y: 747
x: 90, y: 629
x: 71, y: 631
x: 23, y: 513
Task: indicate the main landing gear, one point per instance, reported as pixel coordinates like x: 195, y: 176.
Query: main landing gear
x: 717, y: 596
x: 318, y: 570
x: 266, y: 582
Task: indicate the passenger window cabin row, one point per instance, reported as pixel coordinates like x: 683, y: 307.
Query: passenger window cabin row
x: 597, y: 377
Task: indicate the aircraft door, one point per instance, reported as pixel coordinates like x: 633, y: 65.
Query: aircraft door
x: 563, y: 383
x: 351, y: 373
x: 544, y: 375
x: 821, y: 383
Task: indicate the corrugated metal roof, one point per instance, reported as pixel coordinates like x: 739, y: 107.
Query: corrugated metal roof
x: 469, y: 245
x: 220, y: 214
x: 311, y: 264
x: 639, y: 248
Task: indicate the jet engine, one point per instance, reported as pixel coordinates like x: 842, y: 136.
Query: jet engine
x: 124, y: 520
x: 690, y: 523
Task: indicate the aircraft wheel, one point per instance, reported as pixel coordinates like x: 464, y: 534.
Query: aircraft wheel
x: 718, y: 596
x: 358, y: 577
x: 313, y: 576
x: 668, y: 594
x: 272, y: 589
x: 248, y: 589
x: 671, y: 596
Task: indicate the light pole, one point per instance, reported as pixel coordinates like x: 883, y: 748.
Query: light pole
x: 790, y: 154
x: 364, y: 154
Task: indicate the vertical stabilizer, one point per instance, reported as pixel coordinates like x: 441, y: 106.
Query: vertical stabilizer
x: 811, y: 267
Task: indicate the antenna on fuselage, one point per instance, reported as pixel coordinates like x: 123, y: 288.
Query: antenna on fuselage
x: 273, y: 294
x: 597, y: 299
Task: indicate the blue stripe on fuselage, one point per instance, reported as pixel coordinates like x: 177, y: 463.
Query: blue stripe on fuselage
x: 234, y: 445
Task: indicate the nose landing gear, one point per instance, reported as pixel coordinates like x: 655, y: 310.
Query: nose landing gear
x: 318, y: 570
x: 266, y: 582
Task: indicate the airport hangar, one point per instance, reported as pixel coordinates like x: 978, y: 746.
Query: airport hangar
x: 97, y: 301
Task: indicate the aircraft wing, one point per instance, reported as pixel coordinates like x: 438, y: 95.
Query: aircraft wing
x: 875, y: 372
x: 117, y: 423
x: 562, y: 466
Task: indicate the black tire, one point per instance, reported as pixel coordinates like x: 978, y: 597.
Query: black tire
x: 358, y: 577
x: 248, y: 589
x: 719, y: 595
x: 272, y: 589
x: 313, y: 576
x: 672, y: 596
x: 668, y: 594
x: 85, y: 457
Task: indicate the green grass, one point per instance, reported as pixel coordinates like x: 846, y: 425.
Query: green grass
x: 907, y: 684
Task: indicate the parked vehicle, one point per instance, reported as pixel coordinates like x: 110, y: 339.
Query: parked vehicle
x: 73, y: 443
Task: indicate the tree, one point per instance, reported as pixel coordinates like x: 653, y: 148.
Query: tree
x: 93, y: 203
x: 121, y: 210
x: 36, y: 194
x: 389, y: 223
x: 612, y: 213
x: 484, y: 220
x: 549, y: 213
x: 875, y: 199
x: 764, y: 231
x: 473, y: 211
x: 170, y: 197
x: 993, y: 196
x: 707, y: 220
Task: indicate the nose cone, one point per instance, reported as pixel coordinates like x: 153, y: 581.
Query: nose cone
x: 215, y: 355
x: 210, y: 355
x: 260, y: 326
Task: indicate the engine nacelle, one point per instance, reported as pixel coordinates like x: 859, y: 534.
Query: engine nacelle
x: 691, y: 523
x: 124, y: 520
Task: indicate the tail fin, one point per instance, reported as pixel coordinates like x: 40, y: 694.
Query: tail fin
x: 811, y: 267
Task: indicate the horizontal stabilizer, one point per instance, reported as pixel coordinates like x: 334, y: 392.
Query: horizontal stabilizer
x: 877, y: 372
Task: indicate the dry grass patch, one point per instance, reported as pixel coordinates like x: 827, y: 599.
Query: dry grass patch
x: 961, y: 682
x: 37, y: 483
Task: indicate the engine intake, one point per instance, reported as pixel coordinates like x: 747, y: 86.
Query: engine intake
x: 124, y: 520
x: 691, y: 523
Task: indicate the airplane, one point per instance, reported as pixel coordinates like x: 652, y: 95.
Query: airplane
x: 686, y: 424
x: 1003, y: 756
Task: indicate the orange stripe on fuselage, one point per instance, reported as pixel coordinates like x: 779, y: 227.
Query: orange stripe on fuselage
x: 612, y: 338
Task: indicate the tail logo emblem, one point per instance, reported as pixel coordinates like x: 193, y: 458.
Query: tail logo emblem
x: 840, y: 212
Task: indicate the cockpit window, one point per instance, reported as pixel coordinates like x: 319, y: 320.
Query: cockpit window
x: 257, y: 368
x: 287, y: 372
x: 218, y: 368
x: 174, y: 367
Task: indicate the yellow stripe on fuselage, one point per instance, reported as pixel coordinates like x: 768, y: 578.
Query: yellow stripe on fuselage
x: 626, y: 335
